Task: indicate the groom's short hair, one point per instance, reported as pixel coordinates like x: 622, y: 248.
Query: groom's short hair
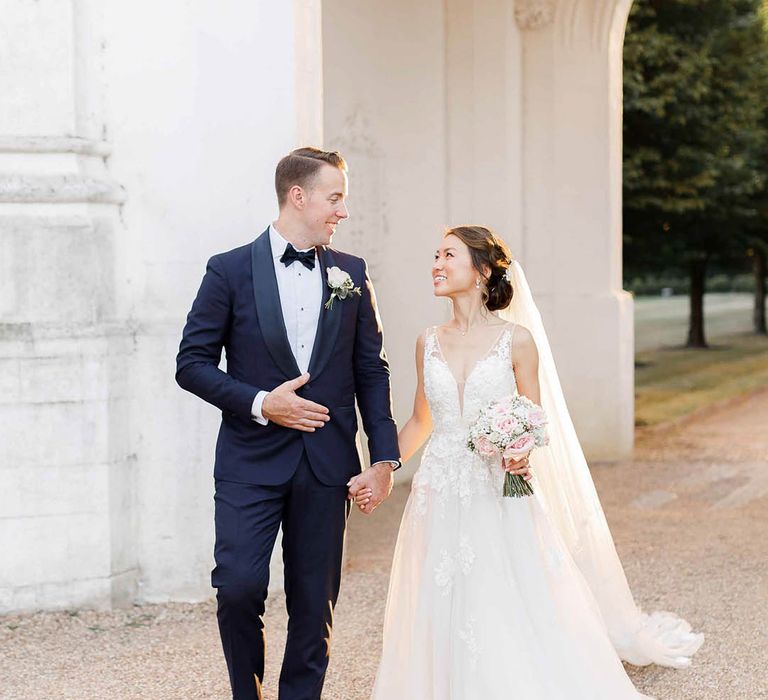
x: 299, y: 167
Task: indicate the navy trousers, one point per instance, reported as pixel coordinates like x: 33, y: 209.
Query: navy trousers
x: 313, y: 517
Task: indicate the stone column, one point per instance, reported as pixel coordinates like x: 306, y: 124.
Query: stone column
x: 483, y: 116
x: 571, y: 247
x: 106, y: 465
x: 204, y: 98
x: 67, y: 493
x: 384, y: 91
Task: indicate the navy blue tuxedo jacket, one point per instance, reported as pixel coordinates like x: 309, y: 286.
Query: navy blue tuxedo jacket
x: 238, y: 309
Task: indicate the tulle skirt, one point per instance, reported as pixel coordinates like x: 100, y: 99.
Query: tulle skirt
x: 486, y: 603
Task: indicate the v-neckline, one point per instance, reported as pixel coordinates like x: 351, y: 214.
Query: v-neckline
x: 461, y: 386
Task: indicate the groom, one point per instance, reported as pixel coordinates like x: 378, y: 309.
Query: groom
x: 301, y: 346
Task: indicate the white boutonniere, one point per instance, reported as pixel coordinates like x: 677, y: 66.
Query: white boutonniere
x: 341, y: 284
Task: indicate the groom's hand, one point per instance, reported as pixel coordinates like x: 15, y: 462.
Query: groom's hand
x: 371, y: 487
x: 284, y: 407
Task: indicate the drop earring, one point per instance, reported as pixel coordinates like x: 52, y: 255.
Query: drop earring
x: 477, y: 284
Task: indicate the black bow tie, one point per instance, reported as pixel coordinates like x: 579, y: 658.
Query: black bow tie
x: 305, y: 257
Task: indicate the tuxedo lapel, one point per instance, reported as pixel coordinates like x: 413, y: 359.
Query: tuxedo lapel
x: 330, y: 319
x: 268, y: 309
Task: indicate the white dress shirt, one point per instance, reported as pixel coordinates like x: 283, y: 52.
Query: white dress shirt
x: 301, y: 294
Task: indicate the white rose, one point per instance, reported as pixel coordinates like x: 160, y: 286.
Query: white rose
x: 337, y: 277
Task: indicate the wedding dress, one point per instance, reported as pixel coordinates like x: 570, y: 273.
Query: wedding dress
x: 486, y: 602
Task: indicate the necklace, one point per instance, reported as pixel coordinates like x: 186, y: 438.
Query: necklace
x: 470, y: 327
x: 481, y: 321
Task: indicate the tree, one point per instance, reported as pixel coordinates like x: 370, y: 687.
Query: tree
x: 692, y: 123
x: 758, y: 232
x: 760, y: 257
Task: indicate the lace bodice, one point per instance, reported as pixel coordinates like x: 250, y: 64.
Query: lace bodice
x: 448, y: 467
x: 491, y: 378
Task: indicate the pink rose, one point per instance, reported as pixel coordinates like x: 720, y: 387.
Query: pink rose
x: 485, y: 447
x: 499, y: 411
x: 537, y: 417
x: 520, y: 447
x: 506, y: 425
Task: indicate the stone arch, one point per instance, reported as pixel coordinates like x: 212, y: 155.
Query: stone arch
x: 600, y: 20
x: 506, y: 112
x: 572, y: 69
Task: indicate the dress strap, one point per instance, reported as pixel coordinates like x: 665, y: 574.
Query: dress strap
x: 503, y: 347
x: 431, y: 348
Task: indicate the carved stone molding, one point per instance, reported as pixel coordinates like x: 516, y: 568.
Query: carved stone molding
x: 54, y: 144
x: 534, y: 14
x: 27, y: 189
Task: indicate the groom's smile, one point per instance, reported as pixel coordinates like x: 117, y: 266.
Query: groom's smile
x: 326, y: 205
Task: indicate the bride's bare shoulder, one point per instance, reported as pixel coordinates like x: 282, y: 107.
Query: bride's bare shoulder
x: 522, y: 339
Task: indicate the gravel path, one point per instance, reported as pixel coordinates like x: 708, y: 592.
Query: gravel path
x: 690, y: 522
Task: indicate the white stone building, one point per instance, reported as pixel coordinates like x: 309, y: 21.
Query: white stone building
x: 139, y: 138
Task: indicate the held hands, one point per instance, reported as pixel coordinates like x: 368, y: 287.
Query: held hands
x: 284, y: 407
x: 520, y: 467
x: 371, y: 487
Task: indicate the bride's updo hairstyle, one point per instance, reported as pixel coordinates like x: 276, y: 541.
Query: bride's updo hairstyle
x: 491, y: 258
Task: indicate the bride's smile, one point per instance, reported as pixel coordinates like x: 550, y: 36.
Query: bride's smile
x: 452, y: 270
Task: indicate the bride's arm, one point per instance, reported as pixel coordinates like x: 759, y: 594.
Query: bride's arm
x: 525, y: 362
x: 418, y: 427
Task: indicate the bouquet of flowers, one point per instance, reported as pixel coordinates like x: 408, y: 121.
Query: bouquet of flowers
x: 510, y: 427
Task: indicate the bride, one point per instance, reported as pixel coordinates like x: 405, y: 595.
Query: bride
x: 495, y: 598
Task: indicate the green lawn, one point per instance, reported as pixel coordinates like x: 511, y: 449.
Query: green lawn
x: 671, y: 382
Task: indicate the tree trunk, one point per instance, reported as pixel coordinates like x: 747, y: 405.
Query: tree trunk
x: 698, y: 272
x: 758, y: 314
